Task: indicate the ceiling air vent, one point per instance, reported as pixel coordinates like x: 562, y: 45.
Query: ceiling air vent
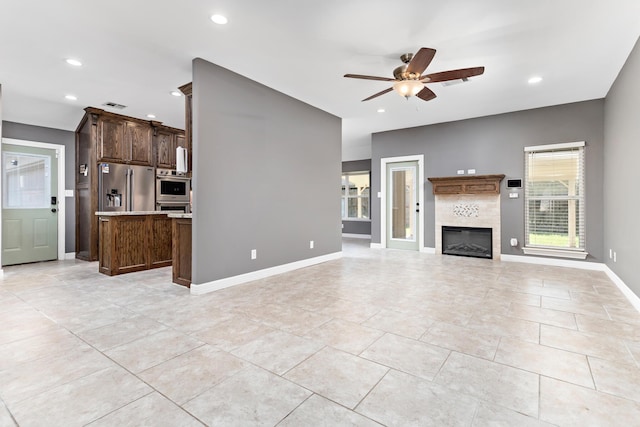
x: 455, y: 82
x: 114, y: 105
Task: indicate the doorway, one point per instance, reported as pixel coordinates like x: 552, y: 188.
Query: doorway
x: 32, y: 202
x: 402, y: 187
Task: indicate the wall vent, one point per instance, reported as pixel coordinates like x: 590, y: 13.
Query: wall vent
x: 114, y: 105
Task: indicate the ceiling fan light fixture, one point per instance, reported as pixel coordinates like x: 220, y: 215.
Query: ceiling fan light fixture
x: 408, y: 88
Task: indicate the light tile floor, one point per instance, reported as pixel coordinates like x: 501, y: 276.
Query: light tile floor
x: 380, y: 337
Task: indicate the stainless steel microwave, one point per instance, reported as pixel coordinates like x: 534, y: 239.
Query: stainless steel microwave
x: 172, y: 188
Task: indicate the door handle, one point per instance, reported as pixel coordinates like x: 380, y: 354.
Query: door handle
x: 54, y: 210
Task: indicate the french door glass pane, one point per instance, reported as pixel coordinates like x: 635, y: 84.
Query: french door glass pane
x: 403, y: 200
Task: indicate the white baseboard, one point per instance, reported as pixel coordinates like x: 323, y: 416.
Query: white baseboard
x: 426, y: 250
x: 594, y: 266
x: 631, y: 296
x: 203, y: 288
x: 70, y: 255
x: 598, y: 266
x: 376, y: 246
x: 356, y: 236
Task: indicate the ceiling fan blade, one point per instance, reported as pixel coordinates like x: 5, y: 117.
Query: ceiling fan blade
x: 421, y: 60
x: 378, y: 94
x: 360, y: 76
x: 426, y: 94
x: 444, y: 76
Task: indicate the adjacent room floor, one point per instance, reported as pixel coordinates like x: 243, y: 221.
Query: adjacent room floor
x: 379, y: 337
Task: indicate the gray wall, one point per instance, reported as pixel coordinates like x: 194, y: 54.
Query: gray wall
x: 266, y: 176
x: 356, y: 227
x: 53, y: 136
x: 621, y: 172
x: 495, y: 144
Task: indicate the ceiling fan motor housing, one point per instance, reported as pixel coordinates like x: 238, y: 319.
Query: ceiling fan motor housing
x: 401, y: 73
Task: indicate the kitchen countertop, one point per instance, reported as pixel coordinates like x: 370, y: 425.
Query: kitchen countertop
x: 179, y: 215
x: 103, y: 213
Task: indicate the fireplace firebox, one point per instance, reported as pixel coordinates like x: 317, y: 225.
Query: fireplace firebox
x: 467, y: 241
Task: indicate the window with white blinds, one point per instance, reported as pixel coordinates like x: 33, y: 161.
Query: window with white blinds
x: 554, y: 196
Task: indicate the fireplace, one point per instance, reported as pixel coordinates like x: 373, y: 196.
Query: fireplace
x: 467, y: 201
x: 467, y: 241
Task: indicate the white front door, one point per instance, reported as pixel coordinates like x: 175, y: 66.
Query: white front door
x: 29, y: 204
x: 403, y: 206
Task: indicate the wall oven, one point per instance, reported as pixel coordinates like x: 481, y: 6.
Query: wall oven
x: 172, y: 188
x: 174, y: 207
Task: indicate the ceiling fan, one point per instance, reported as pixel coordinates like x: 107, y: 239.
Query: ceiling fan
x: 409, y: 80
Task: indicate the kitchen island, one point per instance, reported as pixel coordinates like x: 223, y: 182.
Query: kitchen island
x: 133, y: 241
x: 181, y: 248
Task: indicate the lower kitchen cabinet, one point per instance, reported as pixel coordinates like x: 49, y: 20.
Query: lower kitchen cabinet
x: 182, y: 251
x: 133, y: 242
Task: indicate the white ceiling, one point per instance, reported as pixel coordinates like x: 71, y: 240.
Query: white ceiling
x: 136, y: 52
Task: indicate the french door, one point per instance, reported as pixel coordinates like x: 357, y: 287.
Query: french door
x: 403, y: 207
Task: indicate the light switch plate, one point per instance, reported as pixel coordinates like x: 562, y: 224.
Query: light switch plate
x: 513, y: 195
x: 68, y: 193
x: 460, y: 171
x: 471, y: 171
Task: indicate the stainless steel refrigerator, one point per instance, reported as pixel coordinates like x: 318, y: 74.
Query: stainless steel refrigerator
x: 126, y: 188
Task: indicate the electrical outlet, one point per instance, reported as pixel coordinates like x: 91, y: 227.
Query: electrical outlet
x: 254, y: 253
x: 310, y: 244
x: 460, y: 171
x: 610, y: 253
x: 471, y: 171
x: 614, y: 257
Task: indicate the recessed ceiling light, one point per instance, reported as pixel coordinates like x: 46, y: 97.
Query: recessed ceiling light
x: 175, y: 93
x: 151, y: 116
x: 535, y: 79
x: 381, y: 110
x: 74, y: 62
x: 219, y: 19
x: 71, y: 97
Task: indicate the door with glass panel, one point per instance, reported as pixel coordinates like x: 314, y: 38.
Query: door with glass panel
x: 29, y: 205
x: 402, y: 205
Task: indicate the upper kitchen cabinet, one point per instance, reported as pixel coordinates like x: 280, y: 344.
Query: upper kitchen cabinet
x: 187, y: 90
x: 111, y: 139
x: 137, y: 139
x: 165, y: 141
x: 123, y: 140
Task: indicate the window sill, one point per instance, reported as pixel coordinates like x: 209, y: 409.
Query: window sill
x: 560, y: 253
x: 357, y: 219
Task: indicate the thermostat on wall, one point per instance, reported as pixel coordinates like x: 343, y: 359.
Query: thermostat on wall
x: 514, y: 183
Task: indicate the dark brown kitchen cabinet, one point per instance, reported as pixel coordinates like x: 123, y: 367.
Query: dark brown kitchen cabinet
x: 181, y: 248
x: 165, y: 151
x: 111, y: 139
x: 134, y: 242
x: 166, y: 140
x: 137, y: 140
x: 105, y: 137
x: 187, y: 90
x: 124, y: 141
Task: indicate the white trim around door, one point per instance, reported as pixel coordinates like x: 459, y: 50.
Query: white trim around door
x: 62, y: 209
x: 383, y: 199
